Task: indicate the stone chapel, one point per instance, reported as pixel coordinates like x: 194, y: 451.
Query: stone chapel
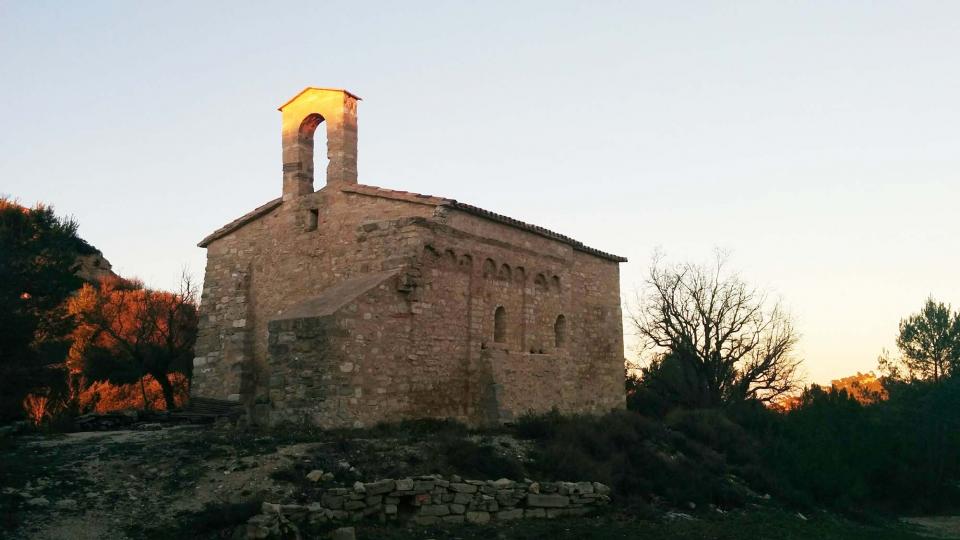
x: 354, y: 304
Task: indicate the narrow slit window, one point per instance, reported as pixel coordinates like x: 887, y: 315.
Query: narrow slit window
x: 500, y: 325
x: 560, y: 332
x: 313, y: 218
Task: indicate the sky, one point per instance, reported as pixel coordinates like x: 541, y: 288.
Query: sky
x: 815, y: 142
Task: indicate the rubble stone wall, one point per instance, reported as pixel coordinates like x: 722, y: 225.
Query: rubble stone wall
x: 432, y: 499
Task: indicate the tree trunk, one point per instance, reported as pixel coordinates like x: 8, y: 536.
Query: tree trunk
x: 143, y: 392
x: 167, y: 388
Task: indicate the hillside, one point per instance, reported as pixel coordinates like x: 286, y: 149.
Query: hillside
x: 207, y: 481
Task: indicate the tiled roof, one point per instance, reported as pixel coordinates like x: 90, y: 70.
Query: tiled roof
x: 408, y: 196
x: 291, y: 100
x: 419, y: 198
x: 477, y: 211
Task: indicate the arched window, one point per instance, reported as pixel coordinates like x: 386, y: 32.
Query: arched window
x: 555, y: 280
x: 311, y: 138
x: 500, y: 325
x: 560, y: 332
x: 520, y: 275
x: 504, y: 272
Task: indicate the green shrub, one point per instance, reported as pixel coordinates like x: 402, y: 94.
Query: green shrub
x: 640, y: 458
x: 471, y: 460
x: 215, y: 520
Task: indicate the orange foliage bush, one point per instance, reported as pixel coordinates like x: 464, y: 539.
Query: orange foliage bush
x: 104, y: 397
x: 123, y: 327
x: 37, y: 408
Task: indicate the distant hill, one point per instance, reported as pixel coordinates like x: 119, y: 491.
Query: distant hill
x: 91, y: 264
x: 863, y: 387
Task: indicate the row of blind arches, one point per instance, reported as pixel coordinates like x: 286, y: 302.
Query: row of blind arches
x: 505, y: 273
x: 502, y: 272
x: 500, y: 328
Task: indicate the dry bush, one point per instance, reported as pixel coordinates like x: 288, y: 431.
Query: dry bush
x: 103, y: 396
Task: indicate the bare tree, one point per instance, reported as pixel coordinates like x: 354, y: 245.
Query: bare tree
x: 719, y: 339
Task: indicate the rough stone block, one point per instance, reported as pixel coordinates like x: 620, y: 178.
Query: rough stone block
x: 381, y: 487
x: 503, y: 483
x: 423, y: 485
x: 478, y: 518
x: 463, y: 488
x: 547, y: 501
x: 507, y: 515
x: 434, y: 510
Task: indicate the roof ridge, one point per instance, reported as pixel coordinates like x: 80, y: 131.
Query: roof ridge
x: 480, y: 212
x: 420, y: 198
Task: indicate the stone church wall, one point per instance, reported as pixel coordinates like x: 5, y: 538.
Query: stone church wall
x: 355, y: 304
x: 425, y: 345
x: 258, y: 270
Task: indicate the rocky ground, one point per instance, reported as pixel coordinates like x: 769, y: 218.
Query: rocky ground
x: 141, y: 482
x: 206, y: 481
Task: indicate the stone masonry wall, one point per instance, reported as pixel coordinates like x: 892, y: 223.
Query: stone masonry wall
x: 466, y: 278
x: 345, y: 369
x: 427, y: 500
x: 274, y: 262
x: 425, y: 345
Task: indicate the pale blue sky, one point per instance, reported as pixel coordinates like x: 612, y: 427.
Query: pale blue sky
x: 816, y: 141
